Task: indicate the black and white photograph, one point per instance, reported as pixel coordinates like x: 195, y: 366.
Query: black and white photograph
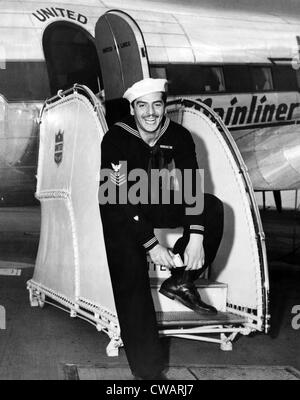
x: 149, y: 193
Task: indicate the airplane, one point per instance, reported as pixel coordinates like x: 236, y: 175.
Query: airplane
x: 239, y: 58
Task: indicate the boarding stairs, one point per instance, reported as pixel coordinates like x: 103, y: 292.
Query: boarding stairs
x: 175, y: 319
x: 71, y: 270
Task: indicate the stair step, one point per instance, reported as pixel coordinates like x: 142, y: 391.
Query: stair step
x: 200, y: 283
x: 191, y: 318
x: 213, y: 293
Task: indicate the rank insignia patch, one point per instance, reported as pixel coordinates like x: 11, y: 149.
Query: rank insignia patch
x: 116, y: 177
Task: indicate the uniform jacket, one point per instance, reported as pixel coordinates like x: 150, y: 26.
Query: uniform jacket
x: 174, y: 148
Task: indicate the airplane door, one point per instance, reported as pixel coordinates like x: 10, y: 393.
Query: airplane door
x: 121, y: 51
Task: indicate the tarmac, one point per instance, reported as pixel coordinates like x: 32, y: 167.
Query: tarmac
x: 46, y: 344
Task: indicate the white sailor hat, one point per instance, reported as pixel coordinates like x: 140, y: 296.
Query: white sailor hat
x: 143, y: 87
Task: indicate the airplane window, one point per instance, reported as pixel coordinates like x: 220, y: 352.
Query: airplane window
x: 213, y: 79
x: 71, y: 57
x: 262, y: 78
x: 284, y: 78
x: 158, y: 72
x: 191, y: 79
x: 18, y: 149
x: 237, y: 78
x: 178, y: 80
x: 18, y: 81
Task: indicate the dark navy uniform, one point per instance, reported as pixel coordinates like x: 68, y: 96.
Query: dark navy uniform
x: 128, y: 233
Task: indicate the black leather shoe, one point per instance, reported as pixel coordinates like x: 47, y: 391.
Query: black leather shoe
x: 187, y: 294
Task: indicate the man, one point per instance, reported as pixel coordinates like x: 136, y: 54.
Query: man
x: 149, y: 141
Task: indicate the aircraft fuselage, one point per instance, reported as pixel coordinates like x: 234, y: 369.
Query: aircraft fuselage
x: 263, y: 120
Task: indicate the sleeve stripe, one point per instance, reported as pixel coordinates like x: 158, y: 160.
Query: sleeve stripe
x: 196, y: 231
x: 151, y: 243
x: 197, y: 228
x: 152, y: 240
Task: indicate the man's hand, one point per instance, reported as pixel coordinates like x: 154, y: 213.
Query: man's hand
x: 162, y: 256
x: 194, y: 253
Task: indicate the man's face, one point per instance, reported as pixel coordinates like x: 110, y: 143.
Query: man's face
x: 148, y: 112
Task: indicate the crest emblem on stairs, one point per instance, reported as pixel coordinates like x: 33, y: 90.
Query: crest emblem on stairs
x: 59, y: 144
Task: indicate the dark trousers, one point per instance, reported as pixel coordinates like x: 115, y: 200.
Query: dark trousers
x: 214, y: 224
x: 130, y: 281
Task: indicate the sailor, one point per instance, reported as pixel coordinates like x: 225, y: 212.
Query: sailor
x: 149, y: 141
